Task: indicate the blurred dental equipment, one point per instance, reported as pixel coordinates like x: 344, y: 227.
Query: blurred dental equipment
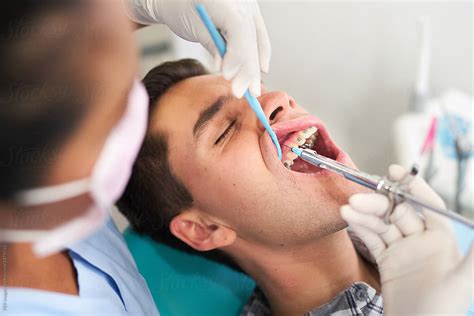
x: 396, y: 191
x: 437, y: 134
x: 463, y: 149
x: 421, y: 90
x: 253, y: 102
x: 428, y: 149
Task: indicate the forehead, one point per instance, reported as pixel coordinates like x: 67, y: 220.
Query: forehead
x: 180, y: 106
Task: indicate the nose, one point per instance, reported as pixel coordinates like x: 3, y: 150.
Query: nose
x: 275, y: 105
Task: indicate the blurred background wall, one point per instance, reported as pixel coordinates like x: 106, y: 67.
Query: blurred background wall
x: 352, y: 63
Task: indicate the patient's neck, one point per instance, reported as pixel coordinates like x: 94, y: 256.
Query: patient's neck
x: 296, y: 281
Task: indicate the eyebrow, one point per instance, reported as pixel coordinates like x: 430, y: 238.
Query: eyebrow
x: 208, y: 114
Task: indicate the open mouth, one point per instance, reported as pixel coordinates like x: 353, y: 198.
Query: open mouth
x: 310, y: 137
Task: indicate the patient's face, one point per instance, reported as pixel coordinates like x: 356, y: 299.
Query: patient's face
x: 223, y: 155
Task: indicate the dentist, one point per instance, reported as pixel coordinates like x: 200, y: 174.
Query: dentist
x: 72, y: 119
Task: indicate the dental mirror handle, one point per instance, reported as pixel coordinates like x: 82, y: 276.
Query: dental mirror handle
x: 253, y: 101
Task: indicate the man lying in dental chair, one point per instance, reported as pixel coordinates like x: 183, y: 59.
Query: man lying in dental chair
x: 208, y: 180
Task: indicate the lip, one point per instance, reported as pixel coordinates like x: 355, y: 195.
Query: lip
x: 282, y: 130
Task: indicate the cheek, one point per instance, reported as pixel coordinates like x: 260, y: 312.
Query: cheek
x: 241, y: 161
x: 233, y: 182
x: 229, y: 186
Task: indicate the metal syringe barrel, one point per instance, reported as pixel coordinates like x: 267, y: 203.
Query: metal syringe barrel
x: 362, y: 178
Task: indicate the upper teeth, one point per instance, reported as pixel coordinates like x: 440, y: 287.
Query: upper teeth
x: 307, y: 136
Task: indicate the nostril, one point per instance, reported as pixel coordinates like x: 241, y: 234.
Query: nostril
x: 275, y: 112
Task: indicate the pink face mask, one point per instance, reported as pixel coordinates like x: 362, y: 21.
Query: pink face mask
x: 105, y: 185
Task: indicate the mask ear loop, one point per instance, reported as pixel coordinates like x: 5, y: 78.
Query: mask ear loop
x: 54, y: 193
x: 394, y: 199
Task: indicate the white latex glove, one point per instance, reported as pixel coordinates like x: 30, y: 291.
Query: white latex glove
x: 421, y: 269
x: 240, y: 22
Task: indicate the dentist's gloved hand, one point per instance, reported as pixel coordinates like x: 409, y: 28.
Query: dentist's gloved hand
x: 421, y: 269
x: 240, y: 22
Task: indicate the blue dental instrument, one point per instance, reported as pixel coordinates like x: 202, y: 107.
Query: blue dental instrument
x: 395, y: 191
x: 221, y: 47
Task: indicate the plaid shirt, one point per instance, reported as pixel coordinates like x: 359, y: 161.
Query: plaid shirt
x: 360, y: 299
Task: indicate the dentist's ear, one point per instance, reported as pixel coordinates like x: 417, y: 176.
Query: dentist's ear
x: 201, y: 233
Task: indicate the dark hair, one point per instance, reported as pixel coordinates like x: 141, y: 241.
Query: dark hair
x: 41, y: 101
x: 154, y: 195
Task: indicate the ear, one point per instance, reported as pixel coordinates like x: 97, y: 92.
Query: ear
x: 201, y: 233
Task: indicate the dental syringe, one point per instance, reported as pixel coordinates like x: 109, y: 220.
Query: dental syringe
x: 374, y: 182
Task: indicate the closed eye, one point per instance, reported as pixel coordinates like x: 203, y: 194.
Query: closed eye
x: 226, y: 133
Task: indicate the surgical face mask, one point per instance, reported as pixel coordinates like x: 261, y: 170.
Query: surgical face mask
x: 107, y: 182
